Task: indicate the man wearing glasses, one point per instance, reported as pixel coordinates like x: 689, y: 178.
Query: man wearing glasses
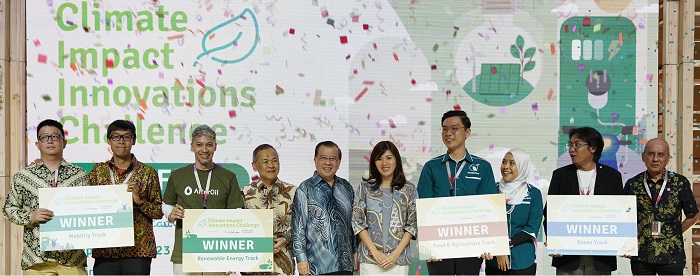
x: 22, y: 204
x: 661, y: 195
x: 143, y: 183
x: 585, y: 176
x: 456, y: 173
x: 322, y: 237
x: 202, y: 185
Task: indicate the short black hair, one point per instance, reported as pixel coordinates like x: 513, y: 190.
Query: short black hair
x: 261, y: 148
x: 50, y: 122
x: 121, y: 125
x: 457, y: 113
x: 592, y: 137
x: 375, y: 177
x: 329, y: 144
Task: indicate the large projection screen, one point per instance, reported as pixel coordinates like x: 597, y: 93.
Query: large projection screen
x: 294, y: 73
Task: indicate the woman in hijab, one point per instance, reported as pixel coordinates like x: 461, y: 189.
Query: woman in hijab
x: 524, y: 213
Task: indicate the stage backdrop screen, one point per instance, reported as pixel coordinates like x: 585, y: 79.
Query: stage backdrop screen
x: 294, y: 73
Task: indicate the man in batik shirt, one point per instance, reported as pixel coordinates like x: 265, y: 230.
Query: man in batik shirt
x: 22, y: 204
x: 269, y: 192
x: 661, y: 195
x: 142, y: 181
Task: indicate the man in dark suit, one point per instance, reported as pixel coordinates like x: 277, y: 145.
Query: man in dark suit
x: 584, y: 177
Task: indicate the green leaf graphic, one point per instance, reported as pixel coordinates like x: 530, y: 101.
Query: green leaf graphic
x: 530, y: 52
x: 230, y: 29
x: 520, y: 42
x: 514, y: 51
x: 529, y: 66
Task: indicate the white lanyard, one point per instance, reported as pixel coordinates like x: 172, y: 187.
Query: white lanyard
x: 55, y: 178
x: 453, y: 180
x: 111, y: 176
x: 591, y: 184
x: 661, y: 192
x: 205, y: 193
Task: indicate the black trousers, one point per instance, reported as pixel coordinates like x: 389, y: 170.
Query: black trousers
x: 457, y: 266
x: 527, y: 271
x: 643, y: 268
x: 122, y: 266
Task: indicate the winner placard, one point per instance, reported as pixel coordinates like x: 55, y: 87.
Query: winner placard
x: 220, y: 240
x: 601, y: 225
x: 87, y: 217
x: 462, y: 226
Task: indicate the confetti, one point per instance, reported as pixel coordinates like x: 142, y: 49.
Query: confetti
x: 343, y: 39
x: 535, y: 107
x: 317, y: 98
x: 619, y: 37
x: 433, y: 67
x: 37, y: 43
x: 46, y: 97
x: 503, y: 110
x: 279, y: 90
x: 391, y: 123
x: 456, y: 107
x: 231, y: 113
x: 365, y: 27
x: 109, y: 63
x: 552, y: 48
x: 436, y: 47
x: 355, y: 18
x: 292, y: 31
x: 41, y: 58
x: 491, y: 146
x: 362, y: 93
x: 549, y: 95
x: 396, y: 57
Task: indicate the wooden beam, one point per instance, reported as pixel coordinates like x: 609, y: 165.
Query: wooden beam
x: 16, y: 127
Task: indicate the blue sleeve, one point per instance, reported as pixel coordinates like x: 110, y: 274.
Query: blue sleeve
x: 299, y: 220
x: 425, y: 183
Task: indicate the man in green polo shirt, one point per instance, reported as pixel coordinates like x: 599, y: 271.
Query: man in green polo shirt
x: 456, y: 173
x: 202, y: 185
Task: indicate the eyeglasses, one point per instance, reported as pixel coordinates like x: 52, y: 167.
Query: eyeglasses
x: 117, y: 138
x: 452, y: 130
x: 54, y: 137
x: 576, y: 145
x: 660, y: 155
x: 324, y: 159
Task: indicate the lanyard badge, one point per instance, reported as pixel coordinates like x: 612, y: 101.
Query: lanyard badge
x: 205, y: 192
x: 656, y: 225
x: 453, y: 180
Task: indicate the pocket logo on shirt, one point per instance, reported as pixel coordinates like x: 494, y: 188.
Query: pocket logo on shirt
x: 474, y: 167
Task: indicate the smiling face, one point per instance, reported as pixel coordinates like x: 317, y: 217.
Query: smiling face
x: 386, y: 164
x: 267, y: 165
x: 454, y: 133
x: 50, y: 147
x: 203, y: 147
x: 509, y: 170
x: 327, y: 162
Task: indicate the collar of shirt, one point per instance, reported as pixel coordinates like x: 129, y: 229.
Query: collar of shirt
x: 467, y: 157
x: 41, y: 165
x: 261, y: 186
x: 316, y: 179
x: 134, y: 163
